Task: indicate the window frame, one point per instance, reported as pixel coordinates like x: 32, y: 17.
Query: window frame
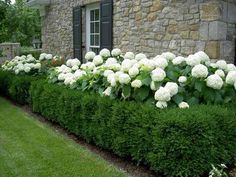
x: 88, y: 24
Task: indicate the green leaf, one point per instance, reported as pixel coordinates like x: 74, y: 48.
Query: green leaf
x: 142, y: 93
x: 193, y: 101
x: 146, y: 81
x: 199, y: 85
x: 126, y: 90
x: 178, y: 99
x: 172, y: 75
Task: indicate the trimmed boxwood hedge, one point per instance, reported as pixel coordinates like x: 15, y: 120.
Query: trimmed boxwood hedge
x: 16, y: 87
x: 173, y: 142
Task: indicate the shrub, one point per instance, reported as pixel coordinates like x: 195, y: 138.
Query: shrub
x: 172, y: 142
x: 16, y: 86
x: 30, y: 50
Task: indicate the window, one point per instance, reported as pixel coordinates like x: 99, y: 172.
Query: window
x: 93, y: 28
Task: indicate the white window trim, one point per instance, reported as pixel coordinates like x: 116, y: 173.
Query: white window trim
x: 88, y: 9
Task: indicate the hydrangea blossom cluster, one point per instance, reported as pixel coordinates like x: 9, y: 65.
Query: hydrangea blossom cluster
x: 22, y: 64
x: 164, y: 80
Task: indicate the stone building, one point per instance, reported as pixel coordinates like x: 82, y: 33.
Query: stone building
x: 72, y: 27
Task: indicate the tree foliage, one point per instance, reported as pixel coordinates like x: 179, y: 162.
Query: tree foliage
x: 19, y: 23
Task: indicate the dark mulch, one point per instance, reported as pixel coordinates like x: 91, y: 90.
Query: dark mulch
x: 126, y: 165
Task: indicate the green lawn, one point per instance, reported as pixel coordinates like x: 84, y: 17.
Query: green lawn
x: 29, y: 148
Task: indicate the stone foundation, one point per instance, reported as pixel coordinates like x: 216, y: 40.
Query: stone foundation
x: 152, y: 27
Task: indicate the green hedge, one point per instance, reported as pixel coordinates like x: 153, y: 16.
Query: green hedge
x: 16, y: 87
x: 173, y: 142
x: 29, y: 50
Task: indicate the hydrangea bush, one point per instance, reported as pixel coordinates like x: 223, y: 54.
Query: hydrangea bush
x: 165, y: 80
x: 30, y: 65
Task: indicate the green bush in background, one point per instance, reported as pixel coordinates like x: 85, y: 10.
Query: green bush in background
x: 29, y: 50
x: 173, y: 142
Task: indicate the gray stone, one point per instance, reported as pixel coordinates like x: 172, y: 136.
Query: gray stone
x: 200, y: 46
x: 203, y: 31
x: 217, y: 30
x: 231, y: 12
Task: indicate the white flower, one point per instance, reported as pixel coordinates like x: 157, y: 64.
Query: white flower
x: 231, y: 67
x: 193, y: 60
x: 136, y: 83
x: 74, y: 68
x: 129, y: 55
x: 107, y: 92
x: 161, y: 104
x: 222, y: 64
x: 105, y: 53
x: 160, y: 62
x: 199, y: 71
x: 110, y: 61
x: 134, y: 71
x: 89, y: 55
x: 153, y: 85
x: 78, y: 74
x: 147, y: 64
x: 61, y: 77
x: 158, y: 74
x: 69, y: 63
x: 178, y: 60
x: 126, y: 65
x: 117, y: 75
x: 37, y: 66
x: 214, y: 81
x: 182, y: 79
x: 172, y: 87
x: 183, y: 105
x: 116, y: 52
x: 213, y: 65
x: 168, y: 55
x: 202, y: 56
x: 75, y: 62
x: 111, y: 79
x: 220, y: 73
x: 162, y: 94
x: 42, y: 56
x: 124, y: 78
x: 48, y: 56
x: 27, y: 69
x: 97, y: 60
x: 231, y: 78
x: 140, y: 56
x: 107, y: 72
x: 88, y: 66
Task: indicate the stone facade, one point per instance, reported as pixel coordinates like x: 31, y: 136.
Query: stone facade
x: 152, y: 27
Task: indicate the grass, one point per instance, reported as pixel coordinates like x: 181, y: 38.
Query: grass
x: 29, y: 148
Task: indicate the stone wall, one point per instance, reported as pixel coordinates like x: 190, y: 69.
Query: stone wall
x: 153, y: 26
x: 8, y: 51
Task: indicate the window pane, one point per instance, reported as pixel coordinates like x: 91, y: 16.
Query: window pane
x: 96, y: 50
x: 97, y: 27
x: 91, y: 39
x: 97, y: 14
x: 92, y: 28
x: 97, y: 40
x: 92, y: 15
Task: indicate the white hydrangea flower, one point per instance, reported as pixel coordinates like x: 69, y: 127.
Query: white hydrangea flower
x: 231, y: 67
x: 182, y: 79
x: 117, y: 75
x: 193, y: 60
x: 75, y: 62
x: 213, y: 65
x: 162, y: 94
x: 96, y: 71
x: 136, y: 83
x: 147, y: 64
x: 168, y: 55
x: 133, y: 72
x: 199, y: 71
x: 97, y: 60
x: 37, y: 66
x: 129, y: 55
x: 61, y: 77
x: 107, y: 92
x: 161, y: 104
x: 27, y: 69
x: 140, y: 56
x: 41, y: 57
x: 79, y: 74
x: 214, y: 81
x: 89, y: 55
x: 202, y: 56
x: 124, y: 78
x: 183, y: 105
x: 178, y: 60
x: 158, y: 74
x: 48, y: 56
x: 153, y: 86
x: 231, y: 78
x: 172, y: 87
x: 88, y: 66
x: 69, y: 62
x: 160, y: 62
x: 75, y: 67
x: 220, y: 73
x: 116, y: 52
x: 110, y: 61
x: 107, y: 72
x: 105, y: 53
x: 126, y: 65
x: 222, y: 64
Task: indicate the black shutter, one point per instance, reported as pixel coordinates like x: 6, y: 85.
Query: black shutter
x: 77, y: 32
x: 106, y: 25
